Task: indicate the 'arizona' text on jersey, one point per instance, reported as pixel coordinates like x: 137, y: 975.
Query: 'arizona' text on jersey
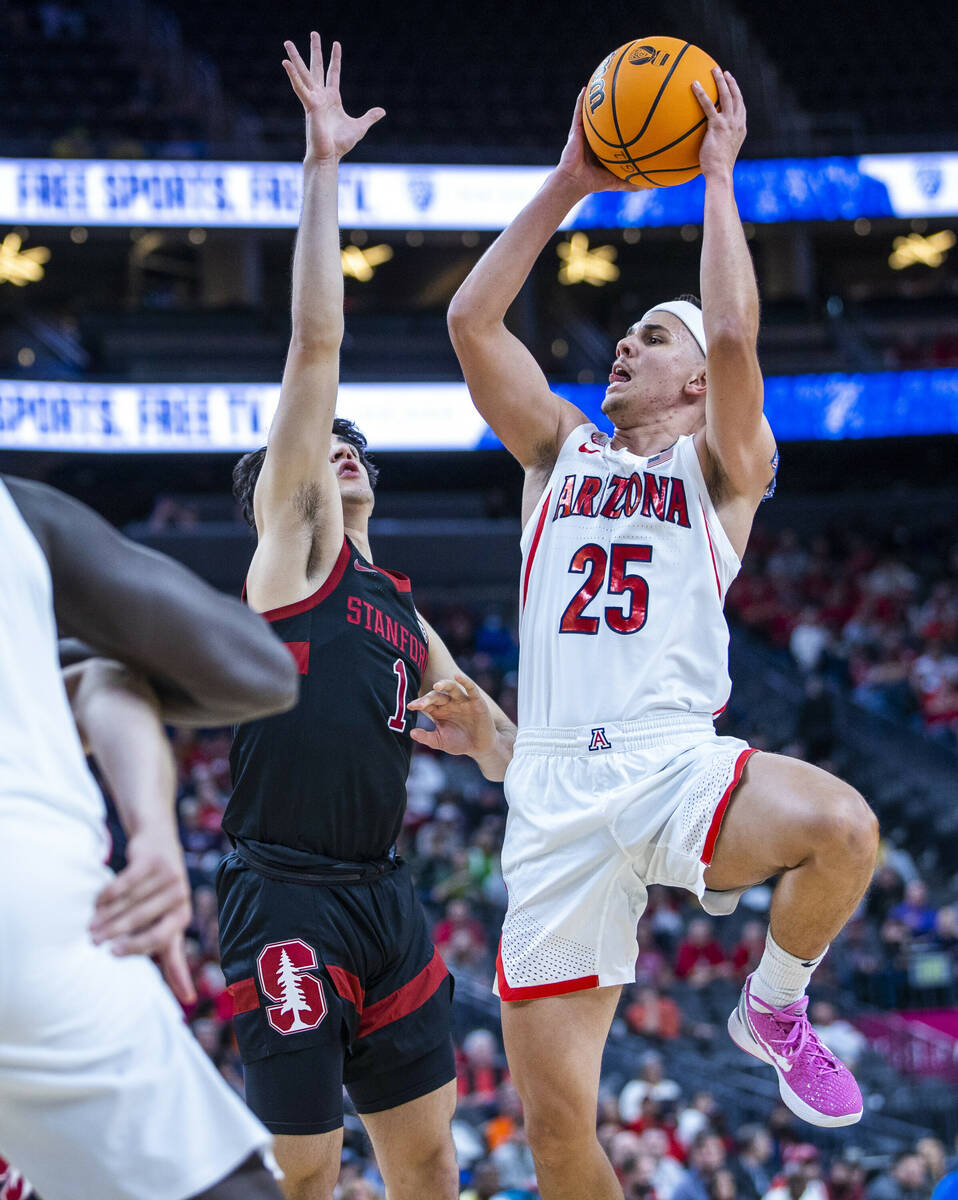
x: 625, y: 566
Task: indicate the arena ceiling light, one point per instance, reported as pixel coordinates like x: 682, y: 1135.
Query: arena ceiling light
x: 582, y: 265
x: 361, y: 264
x: 931, y: 250
x: 19, y: 266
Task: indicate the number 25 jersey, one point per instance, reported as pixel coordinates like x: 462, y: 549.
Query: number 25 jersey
x: 625, y: 566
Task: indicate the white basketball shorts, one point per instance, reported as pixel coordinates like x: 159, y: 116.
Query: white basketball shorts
x: 104, y: 1092
x: 596, y: 815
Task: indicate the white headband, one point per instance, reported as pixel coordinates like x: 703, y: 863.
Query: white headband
x: 688, y: 314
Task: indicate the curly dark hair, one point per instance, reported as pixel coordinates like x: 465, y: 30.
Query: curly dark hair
x: 246, y: 472
x: 689, y: 298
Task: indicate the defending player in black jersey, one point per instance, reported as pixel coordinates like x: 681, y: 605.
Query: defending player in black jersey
x: 325, y: 949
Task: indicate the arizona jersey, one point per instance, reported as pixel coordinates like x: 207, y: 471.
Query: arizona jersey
x: 329, y: 776
x: 42, y: 766
x: 625, y: 566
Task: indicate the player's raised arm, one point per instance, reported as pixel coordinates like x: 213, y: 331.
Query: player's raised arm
x: 508, y: 387
x: 209, y: 659
x: 296, y: 488
x: 737, y: 436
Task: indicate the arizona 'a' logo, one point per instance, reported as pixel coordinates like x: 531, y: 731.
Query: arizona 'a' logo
x: 283, y: 969
x: 599, y: 740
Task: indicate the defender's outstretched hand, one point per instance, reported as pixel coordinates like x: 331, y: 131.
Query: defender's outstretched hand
x: 330, y: 132
x: 464, y: 724
x: 580, y: 165
x: 726, y: 131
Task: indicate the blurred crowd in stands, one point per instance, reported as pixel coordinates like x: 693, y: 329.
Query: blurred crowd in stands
x: 876, y: 616
x: 76, y: 86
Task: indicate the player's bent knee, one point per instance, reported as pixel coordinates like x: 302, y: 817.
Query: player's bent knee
x: 438, y: 1175
x: 310, y: 1182
x: 309, y: 1187
x: 556, y: 1132
x: 846, y: 826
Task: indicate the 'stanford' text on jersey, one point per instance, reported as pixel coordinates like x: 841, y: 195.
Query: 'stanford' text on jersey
x: 329, y: 776
x: 625, y: 566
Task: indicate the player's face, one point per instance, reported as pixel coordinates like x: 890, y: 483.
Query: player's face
x: 653, y: 363
x: 350, y: 473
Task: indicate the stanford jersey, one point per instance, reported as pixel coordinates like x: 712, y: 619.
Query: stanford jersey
x: 625, y: 566
x: 329, y: 777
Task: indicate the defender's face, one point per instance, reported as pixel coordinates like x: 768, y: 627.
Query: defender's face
x: 351, y: 476
x: 653, y: 363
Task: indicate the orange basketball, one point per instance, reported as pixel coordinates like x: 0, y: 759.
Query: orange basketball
x: 641, y: 116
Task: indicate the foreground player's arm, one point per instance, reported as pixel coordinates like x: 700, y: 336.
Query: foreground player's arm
x: 296, y: 494
x: 738, y: 441
x: 467, y: 720
x: 507, y: 385
x: 208, y: 658
x: 146, y: 907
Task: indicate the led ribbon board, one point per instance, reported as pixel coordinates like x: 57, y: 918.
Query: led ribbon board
x: 233, y: 418
x: 268, y: 195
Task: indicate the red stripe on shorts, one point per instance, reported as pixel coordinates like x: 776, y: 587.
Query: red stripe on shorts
x: 507, y: 992
x: 244, y: 995
x: 719, y: 814
x: 404, y: 1000
x: 348, y: 986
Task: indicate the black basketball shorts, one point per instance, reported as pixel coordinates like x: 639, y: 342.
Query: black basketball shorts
x: 332, y: 984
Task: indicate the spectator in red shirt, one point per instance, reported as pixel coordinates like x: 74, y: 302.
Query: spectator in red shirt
x: 652, y: 967
x: 480, y: 1069
x: 700, y: 957
x: 749, y: 950
x: 456, y: 923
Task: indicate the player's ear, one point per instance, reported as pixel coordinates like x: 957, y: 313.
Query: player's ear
x: 697, y: 384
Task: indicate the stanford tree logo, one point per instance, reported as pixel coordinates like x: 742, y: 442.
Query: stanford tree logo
x: 283, y: 969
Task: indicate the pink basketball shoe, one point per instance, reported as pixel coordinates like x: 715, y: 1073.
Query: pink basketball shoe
x: 813, y: 1083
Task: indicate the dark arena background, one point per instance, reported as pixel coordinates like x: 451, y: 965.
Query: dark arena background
x: 148, y: 201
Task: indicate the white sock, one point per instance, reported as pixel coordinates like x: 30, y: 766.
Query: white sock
x: 780, y: 978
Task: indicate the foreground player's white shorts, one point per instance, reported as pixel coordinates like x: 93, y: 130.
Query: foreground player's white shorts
x: 104, y: 1092
x: 597, y: 815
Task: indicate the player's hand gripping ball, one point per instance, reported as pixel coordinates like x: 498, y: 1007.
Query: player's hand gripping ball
x: 641, y: 117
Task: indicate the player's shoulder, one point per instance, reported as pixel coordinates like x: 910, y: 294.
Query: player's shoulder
x: 41, y: 506
x: 544, y: 454
x: 582, y: 439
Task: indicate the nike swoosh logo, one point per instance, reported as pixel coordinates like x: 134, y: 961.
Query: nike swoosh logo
x: 584, y: 449
x: 781, y: 1062
x: 808, y: 964
x: 369, y: 570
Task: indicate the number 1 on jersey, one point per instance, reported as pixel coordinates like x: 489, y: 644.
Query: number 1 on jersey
x: 398, y: 720
x: 593, y: 559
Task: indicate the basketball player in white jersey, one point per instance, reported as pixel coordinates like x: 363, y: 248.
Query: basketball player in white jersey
x: 618, y: 781
x: 104, y: 1093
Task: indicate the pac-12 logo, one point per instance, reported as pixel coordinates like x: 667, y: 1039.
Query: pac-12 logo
x: 599, y: 740
x: 643, y: 54
x: 283, y: 969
